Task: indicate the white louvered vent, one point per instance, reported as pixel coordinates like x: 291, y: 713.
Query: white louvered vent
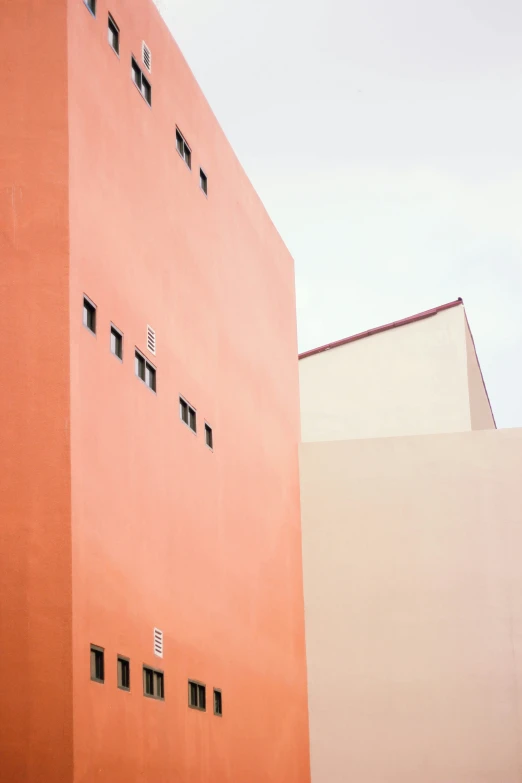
x: 146, y: 56
x: 151, y: 340
x: 158, y: 643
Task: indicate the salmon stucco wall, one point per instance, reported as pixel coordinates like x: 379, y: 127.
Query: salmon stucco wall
x: 202, y: 544
x: 413, y: 600
x: 35, y: 540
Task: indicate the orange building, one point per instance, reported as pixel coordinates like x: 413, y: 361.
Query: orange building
x: 151, y: 599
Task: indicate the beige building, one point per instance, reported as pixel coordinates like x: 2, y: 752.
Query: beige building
x: 412, y: 560
x: 420, y: 379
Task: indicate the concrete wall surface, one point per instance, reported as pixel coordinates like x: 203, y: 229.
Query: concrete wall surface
x: 410, y: 380
x: 413, y: 600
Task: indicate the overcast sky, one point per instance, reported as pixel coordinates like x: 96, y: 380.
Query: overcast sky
x: 385, y: 140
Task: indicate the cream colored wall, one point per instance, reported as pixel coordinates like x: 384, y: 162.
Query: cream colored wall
x: 413, y: 599
x: 480, y: 409
x: 406, y: 381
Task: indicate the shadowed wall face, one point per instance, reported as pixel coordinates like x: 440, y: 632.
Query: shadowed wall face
x: 35, y: 509
x: 413, y: 600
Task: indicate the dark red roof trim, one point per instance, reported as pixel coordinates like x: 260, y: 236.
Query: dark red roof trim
x: 411, y: 319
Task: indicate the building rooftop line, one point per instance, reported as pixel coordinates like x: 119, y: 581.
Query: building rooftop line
x: 376, y: 330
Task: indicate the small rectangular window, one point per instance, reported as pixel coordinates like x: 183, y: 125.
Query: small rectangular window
x: 139, y: 366
x: 91, y: 5
x: 187, y: 414
x: 89, y: 314
x: 197, y: 695
x: 145, y: 370
x: 203, y: 182
x: 116, y: 342
x: 153, y: 684
x: 208, y: 436
x: 218, y: 702
x: 136, y: 74
x: 150, y: 376
x: 140, y: 81
x: 113, y: 33
x: 123, y: 673
x: 179, y: 142
x: 97, y: 664
x: 146, y: 90
x: 183, y: 148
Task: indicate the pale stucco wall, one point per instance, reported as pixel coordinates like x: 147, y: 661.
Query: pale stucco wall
x: 406, y: 381
x: 480, y: 409
x: 413, y: 598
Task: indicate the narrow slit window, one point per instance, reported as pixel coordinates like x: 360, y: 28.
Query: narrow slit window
x: 97, y: 664
x: 150, y: 376
x: 209, y: 440
x: 145, y: 371
x: 139, y: 366
x: 89, y: 314
x: 116, y: 343
x: 218, y: 702
x: 91, y: 5
x: 203, y: 182
x: 153, y: 683
x: 187, y: 414
x: 183, y: 148
x: 136, y: 74
x: 141, y: 82
x: 197, y: 695
x: 113, y: 34
x: 123, y: 673
x: 146, y: 90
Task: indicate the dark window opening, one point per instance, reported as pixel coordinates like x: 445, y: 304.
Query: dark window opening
x: 89, y: 315
x: 139, y: 366
x: 97, y: 664
x: 91, y: 5
x: 123, y: 673
x: 183, y: 148
x: 153, y: 684
x: 197, y: 695
x: 218, y: 702
x: 150, y: 376
x: 140, y: 81
x: 187, y: 414
x: 208, y: 436
x: 203, y: 182
x: 116, y: 342
x: 113, y: 33
x: 145, y: 371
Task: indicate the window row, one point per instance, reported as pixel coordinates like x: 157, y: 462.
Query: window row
x: 144, y: 86
x: 143, y: 368
x: 153, y: 681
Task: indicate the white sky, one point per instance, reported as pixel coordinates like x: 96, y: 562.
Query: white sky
x: 385, y: 140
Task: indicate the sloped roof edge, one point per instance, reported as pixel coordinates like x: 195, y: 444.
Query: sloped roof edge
x: 480, y: 369
x: 393, y: 325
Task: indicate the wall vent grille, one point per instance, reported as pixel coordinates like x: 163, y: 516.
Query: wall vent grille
x: 158, y: 643
x: 151, y: 340
x: 146, y: 56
